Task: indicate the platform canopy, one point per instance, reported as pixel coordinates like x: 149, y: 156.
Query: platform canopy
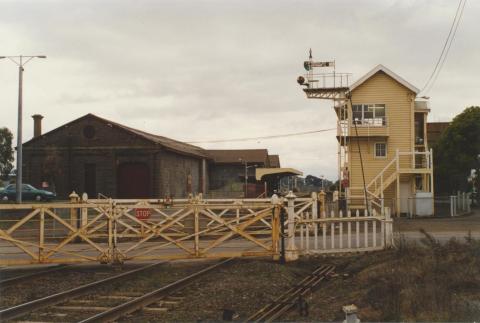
x: 260, y: 173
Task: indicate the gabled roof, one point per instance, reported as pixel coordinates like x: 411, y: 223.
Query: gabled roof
x: 235, y: 156
x: 381, y: 68
x: 169, y: 144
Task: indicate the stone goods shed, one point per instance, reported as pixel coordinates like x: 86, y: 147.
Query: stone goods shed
x: 95, y: 155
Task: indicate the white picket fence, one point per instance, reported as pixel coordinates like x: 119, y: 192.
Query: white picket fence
x: 311, y: 230
x: 332, y: 233
x: 460, y: 204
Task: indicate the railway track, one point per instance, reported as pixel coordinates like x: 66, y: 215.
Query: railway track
x: 153, y: 297
x: 61, y: 297
x: 293, y: 297
x: 83, y: 299
x: 22, y: 278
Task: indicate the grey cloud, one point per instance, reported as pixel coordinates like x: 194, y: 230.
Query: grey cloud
x: 217, y: 69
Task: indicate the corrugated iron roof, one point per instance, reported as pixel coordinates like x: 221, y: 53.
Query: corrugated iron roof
x: 169, y: 144
x: 239, y: 155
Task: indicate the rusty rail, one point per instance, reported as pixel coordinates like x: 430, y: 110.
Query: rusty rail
x: 288, y: 300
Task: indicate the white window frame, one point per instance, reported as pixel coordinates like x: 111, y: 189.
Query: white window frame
x: 371, y: 122
x: 375, y: 150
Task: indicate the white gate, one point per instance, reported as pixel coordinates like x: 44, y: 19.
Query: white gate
x: 312, y: 230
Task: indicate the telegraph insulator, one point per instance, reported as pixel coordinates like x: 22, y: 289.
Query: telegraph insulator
x: 301, y: 80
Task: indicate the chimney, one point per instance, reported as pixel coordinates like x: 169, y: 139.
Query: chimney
x: 37, y: 125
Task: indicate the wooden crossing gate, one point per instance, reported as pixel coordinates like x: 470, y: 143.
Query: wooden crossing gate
x: 109, y: 231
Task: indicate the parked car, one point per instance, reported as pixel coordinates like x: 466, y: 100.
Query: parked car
x: 29, y: 193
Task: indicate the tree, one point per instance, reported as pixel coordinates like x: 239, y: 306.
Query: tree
x: 6, y: 152
x: 334, y: 186
x: 313, y: 180
x: 457, y: 151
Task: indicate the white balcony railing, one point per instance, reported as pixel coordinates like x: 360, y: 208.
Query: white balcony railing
x: 365, y: 127
x: 327, y: 80
x: 370, y: 122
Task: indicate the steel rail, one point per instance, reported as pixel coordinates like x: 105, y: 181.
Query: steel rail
x: 13, y: 280
x: 311, y: 284
x: 286, y: 301
x: 25, y: 308
x: 133, y: 305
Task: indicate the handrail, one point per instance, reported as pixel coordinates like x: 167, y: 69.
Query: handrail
x: 327, y: 80
x: 408, y: 153
x: 383, y: 170
x: 427, y: 155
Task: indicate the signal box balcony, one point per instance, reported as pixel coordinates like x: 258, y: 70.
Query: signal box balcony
x: 374, y: 127
x: 332, y: 86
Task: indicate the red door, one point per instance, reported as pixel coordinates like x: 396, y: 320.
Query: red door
x: 133, y: 180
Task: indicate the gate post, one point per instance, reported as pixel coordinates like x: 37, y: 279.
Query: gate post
x: 275, y: 226
x: 196, y: 223
x: 84, y: 211
x: 388, y: 228
x: 114, y: 255
x: 321, y: 199
x: 314, y: 218
x: 291, y: 252
x: 335, y: 201
x: 74, y: 198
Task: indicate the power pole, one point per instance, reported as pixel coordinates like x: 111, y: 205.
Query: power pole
x: 20, y: 63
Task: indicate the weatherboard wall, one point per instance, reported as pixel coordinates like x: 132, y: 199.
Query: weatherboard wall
x: 399, y: 104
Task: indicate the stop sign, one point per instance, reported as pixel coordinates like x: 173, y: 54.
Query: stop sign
x: 142, y: 214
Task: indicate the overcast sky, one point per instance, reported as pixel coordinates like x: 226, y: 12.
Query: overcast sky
x: 207, y: 70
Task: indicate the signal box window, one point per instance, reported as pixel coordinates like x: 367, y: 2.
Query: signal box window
x: 372, y: 115
x: 380, y: 150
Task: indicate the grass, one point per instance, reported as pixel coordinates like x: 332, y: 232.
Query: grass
x: 427, y: 281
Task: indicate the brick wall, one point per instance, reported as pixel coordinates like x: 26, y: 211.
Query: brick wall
x: 60, y: 156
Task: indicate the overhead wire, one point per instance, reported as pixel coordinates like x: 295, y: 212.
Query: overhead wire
x: 446, y: 47
x: 361, y: 159
x: 263, y: 137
